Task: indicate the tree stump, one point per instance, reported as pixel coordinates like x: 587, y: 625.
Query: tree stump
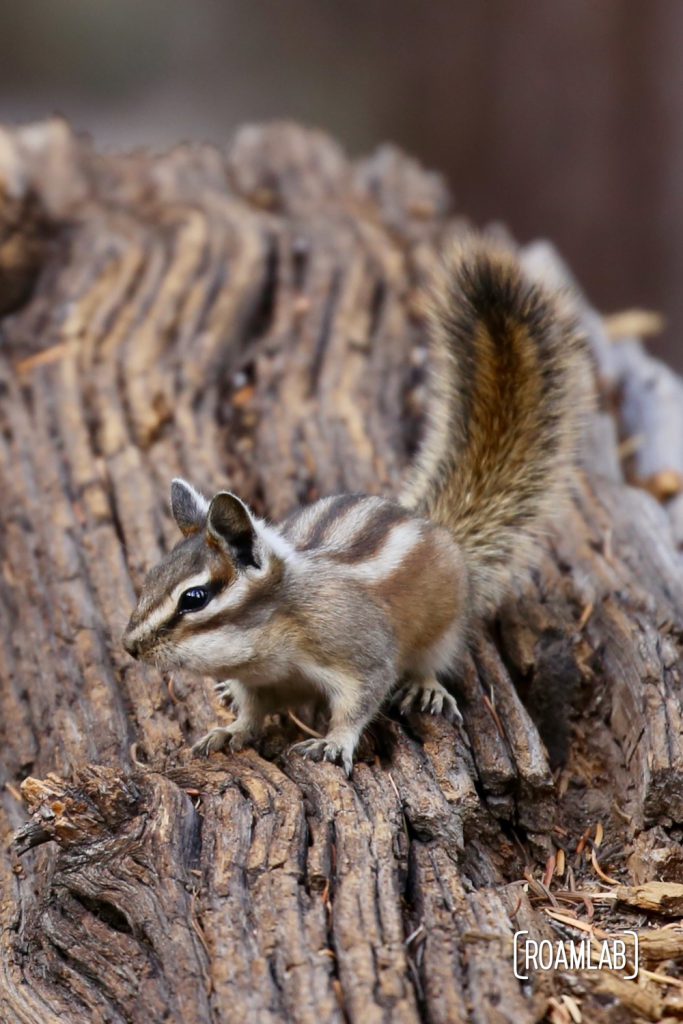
x: 250, y: 318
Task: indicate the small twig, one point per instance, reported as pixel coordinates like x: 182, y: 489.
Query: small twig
x: 578, y: 895
x: 662, y: 979
x: 494, y: 715
x: 197, y: 928
x: 540, y: 888
x: 598, y: 870
x: 622, y: 814
x: 581, y: 845
x: 572, y: 922
x: 585, y: 615
x: 304, y: 728
x: 395, y: 787
x: 44, y: 358
x: 549, y: 870
x: 630, y: 445
x: 134, y: 756
x: 171, y: 690
x: 12, y: 789
x: 414, y: 934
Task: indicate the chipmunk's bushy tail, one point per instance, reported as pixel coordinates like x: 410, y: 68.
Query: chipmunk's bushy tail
x: 510, y: 389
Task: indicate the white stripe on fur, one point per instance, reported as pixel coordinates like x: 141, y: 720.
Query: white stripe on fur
x: 163, y: 611
x: 400, y: 541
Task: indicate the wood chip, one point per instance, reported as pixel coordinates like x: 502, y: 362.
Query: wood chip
x: 654, y: 897
x: 633, y: 323
x: 665, y: 484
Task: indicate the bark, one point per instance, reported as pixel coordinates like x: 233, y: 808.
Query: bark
x: 250, y: 318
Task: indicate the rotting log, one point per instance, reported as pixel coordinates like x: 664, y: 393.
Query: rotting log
x: 250, y: 318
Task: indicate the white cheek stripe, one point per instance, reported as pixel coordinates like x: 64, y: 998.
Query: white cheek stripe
x: 162, y: 612
x: 200, y: 580
x: 231, y: 597
x: 401, y: 541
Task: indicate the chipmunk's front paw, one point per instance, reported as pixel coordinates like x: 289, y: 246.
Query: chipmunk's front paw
x: 325, y: 750
x: 430, y: 696
x: 218, y: 739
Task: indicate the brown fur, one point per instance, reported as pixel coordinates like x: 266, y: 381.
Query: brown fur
x: 425, y: 596
x: 510, y: 388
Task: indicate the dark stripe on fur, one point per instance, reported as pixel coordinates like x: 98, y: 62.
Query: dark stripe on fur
x: 264, y: 587
x: 330, y: 513
x: 372, y: 535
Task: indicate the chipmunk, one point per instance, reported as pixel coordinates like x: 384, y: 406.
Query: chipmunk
x: 356, y: 598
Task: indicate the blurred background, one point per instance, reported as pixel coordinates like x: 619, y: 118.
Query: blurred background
x: 563, y: 119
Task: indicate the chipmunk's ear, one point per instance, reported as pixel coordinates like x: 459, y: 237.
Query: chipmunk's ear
x: 188, y: 506
x: 230, y: 525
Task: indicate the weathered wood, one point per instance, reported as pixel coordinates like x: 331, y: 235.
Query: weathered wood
x: 251, y: 319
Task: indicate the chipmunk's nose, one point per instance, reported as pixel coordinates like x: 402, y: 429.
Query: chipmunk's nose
x: 132, y: 646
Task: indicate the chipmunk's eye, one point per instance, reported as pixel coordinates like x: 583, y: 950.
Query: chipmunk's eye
x: 193, y: 599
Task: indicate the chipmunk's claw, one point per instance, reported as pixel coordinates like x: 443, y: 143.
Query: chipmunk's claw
x: 225, y: 692
x: 325, y: 750
x: 214, y: 740
x: 428, y: 696
x: 218, y: 739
